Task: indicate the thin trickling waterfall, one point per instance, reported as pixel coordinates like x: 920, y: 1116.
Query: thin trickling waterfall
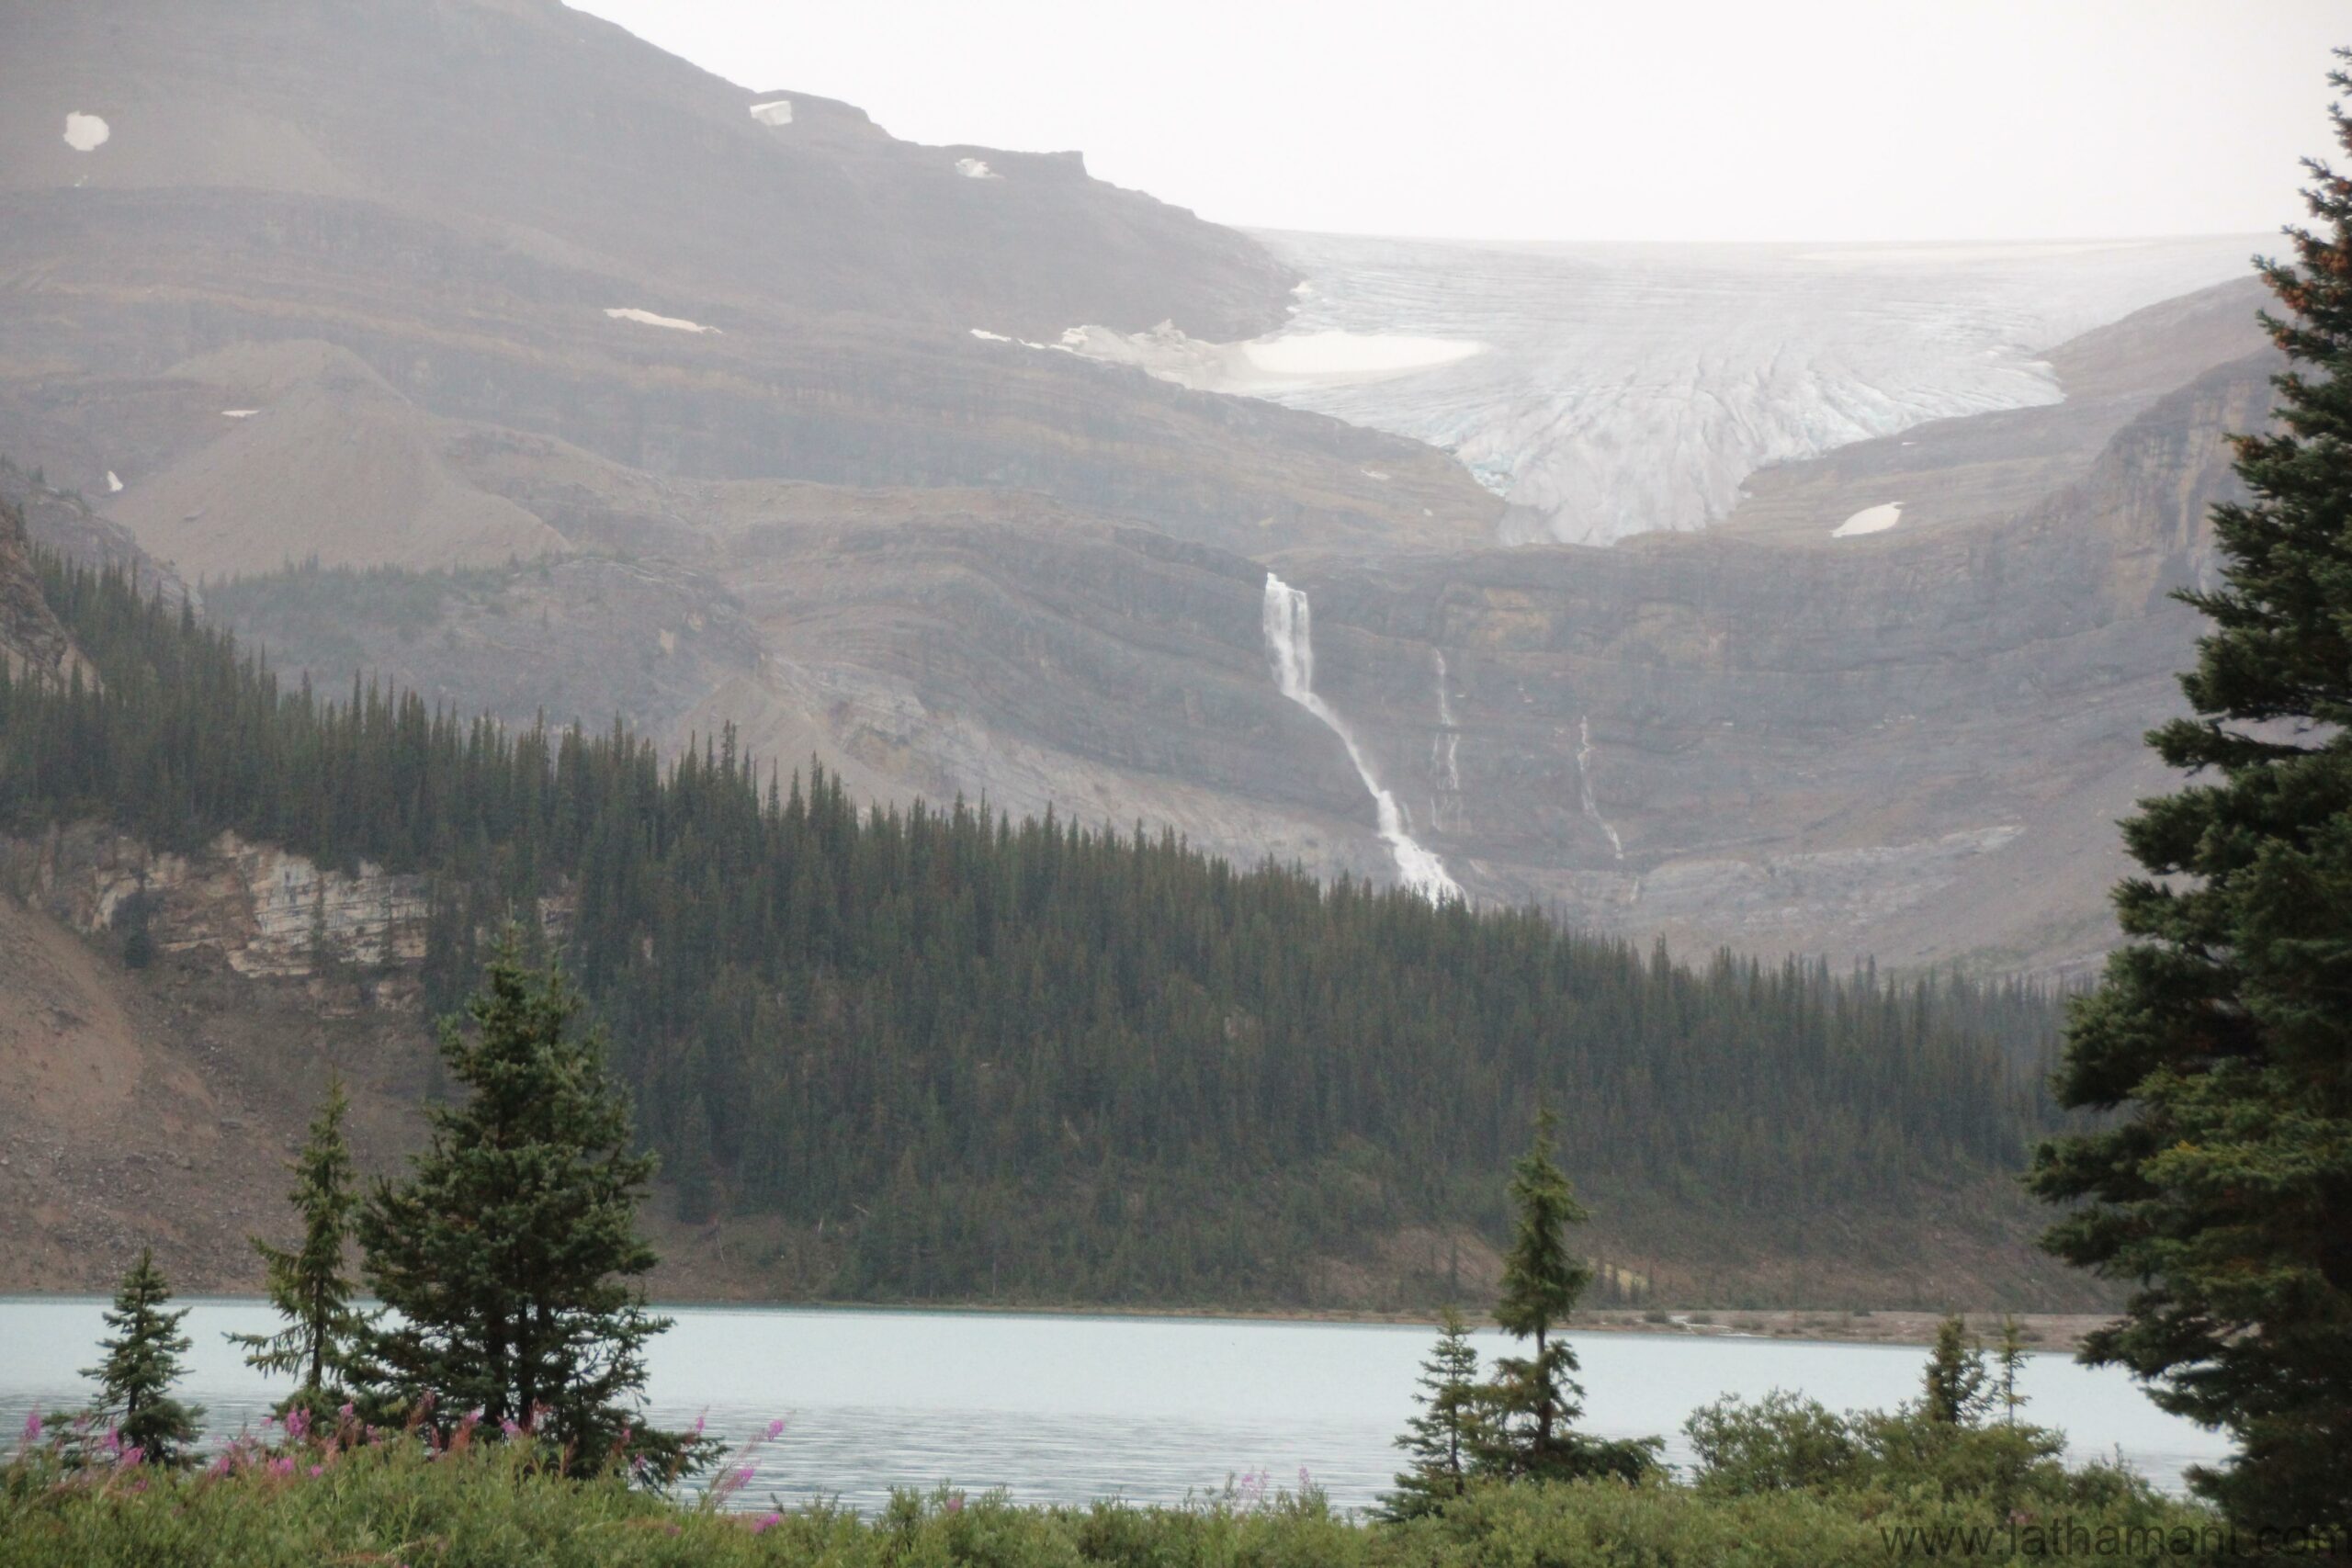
x: 1291, y: 641
x: 1445, y: 766
x: 1584, y: 783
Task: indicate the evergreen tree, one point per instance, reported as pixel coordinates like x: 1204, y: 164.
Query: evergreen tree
x: 141, y: 1363
x: 1537, y: 1397
x: 134, y: 919
x: 1955, y: 1392
x: 1527, y: 1424
x: 697, y: 1195
x: 307, y: 1283
x: 510, y: 1257
x: 1444, y: 1440
x: 2221, y: 1029
x: 2011, y: 1360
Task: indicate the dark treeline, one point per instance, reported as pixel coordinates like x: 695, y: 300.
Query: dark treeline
x: 1032, y: 1059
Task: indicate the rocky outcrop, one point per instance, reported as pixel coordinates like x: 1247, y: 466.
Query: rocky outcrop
x: 63, y: 522
x: 268, y: 914
x: 32, y: 643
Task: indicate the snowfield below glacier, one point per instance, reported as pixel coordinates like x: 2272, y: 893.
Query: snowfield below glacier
x: 1608, y: 390
x: 1870, y: 520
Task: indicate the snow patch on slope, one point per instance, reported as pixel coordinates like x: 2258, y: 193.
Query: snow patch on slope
x: 87, y: 132
x: 976, y: 169
x: 775, y: 111
x: 1269, y: 366
x: 647, y: 318
x: 1870, y: 520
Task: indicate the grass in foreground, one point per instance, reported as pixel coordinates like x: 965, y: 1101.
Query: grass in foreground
x: 361, y: 1498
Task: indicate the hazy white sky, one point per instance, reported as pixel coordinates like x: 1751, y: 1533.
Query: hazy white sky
x: 1640, y: 120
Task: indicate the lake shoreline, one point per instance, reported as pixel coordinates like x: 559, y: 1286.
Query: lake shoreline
x: 2040, y: 1331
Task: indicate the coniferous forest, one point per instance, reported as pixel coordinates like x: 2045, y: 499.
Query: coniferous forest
x: 1037, y: 1060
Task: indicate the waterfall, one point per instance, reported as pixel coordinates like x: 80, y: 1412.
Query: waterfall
x: 1291, y: 641
x: 1445, y: 764
x: 1584, y: 785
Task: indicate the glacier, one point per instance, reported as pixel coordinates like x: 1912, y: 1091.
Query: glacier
x: 1606, y: 391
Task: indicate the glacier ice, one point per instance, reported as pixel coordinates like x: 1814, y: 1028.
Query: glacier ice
x: 1608, y: 390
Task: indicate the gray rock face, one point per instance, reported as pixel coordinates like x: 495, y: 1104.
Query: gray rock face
x: 32, y: 645
x: 532, y: 128
x: 527, y: 288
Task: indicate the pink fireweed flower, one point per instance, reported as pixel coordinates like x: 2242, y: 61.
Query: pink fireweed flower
x: 32, y: 1426
x: 776, y: 1430
x: 766, y: 1522
x: 113, y: 1444
x: 281, y: 1466
x: 955, y: 1503
x: 131, y: 1456
x: 699, y: 1422
x: 510, y: 1427
x: 471, y: 1418
x: 297, y: 1423
x: 742, y: 1477
x: 318, y: 1470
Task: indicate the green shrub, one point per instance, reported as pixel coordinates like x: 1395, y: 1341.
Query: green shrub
x: 507, y: 1504
x: 1780, y: 1443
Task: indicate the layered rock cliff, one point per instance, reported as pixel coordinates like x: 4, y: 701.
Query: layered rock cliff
x: 737, y: 417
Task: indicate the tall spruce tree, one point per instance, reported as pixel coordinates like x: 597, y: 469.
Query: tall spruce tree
x: 307, y: 1283
x: 510, y: 1257
x: 1532, y: 1407
x: 142, y: 1362
x: 1444, y: 1440
x: 2010, y: 1359
x: 2224, y: 1029
x: 1537, y: 1397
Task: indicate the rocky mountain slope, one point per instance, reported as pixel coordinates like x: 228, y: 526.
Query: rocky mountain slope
x: 731, y: 412
x: 1911, y: 745
x: 32, y: 645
